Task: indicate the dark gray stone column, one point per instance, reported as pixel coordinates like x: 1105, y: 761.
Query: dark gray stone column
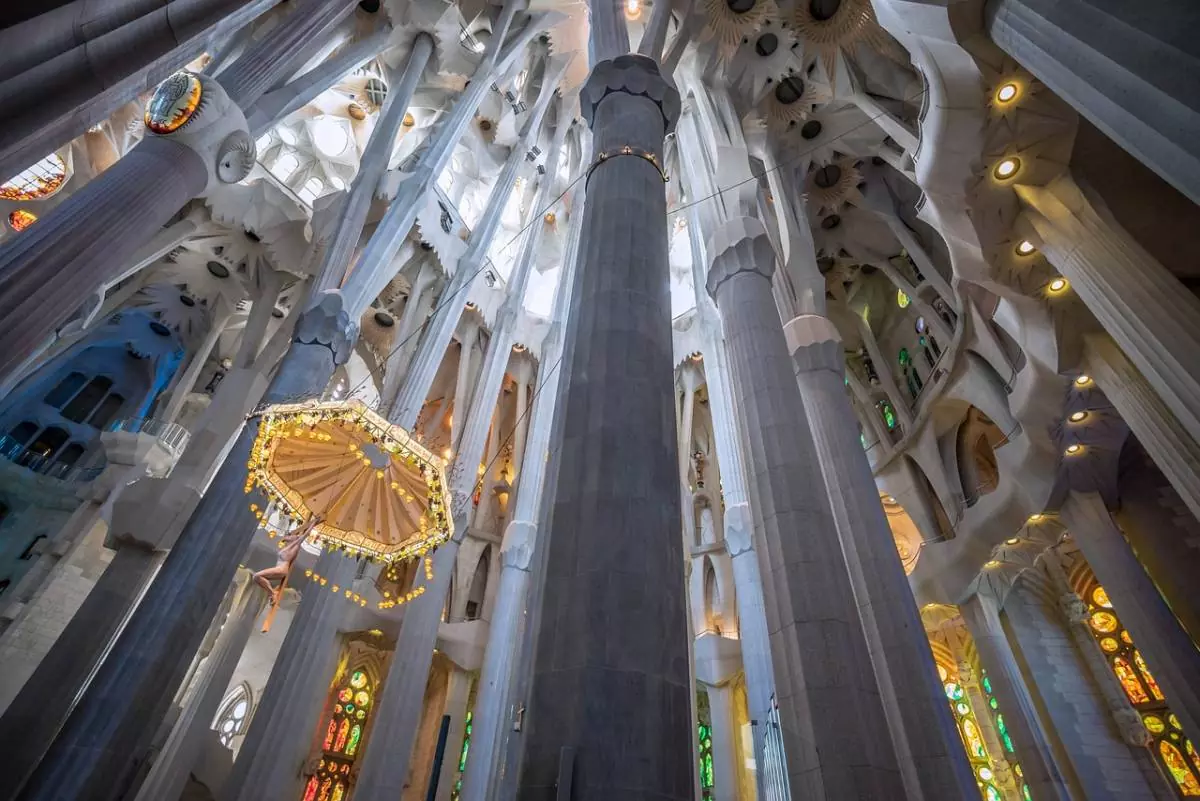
x: 1130, y: 68
x: 835, y: 734
x: 610, y: 705
x: 923, y: 731
x: 95, y: 755
x: 35, y: 715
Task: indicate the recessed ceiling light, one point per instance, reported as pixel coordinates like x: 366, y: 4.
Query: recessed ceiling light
x: 991, y: 563
x: 888, y: 499
x: 1007, y: 168
x: 1011, y: 541
x: 1035, y: 517
x: 1074, y: 448
x: 1078, y: 417
x: 1025, y: 248
x: 1007, y: 92
x: 1059, y: 284
x: 1083, y: 380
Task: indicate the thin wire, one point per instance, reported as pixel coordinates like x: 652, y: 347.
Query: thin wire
x: 534, y: 218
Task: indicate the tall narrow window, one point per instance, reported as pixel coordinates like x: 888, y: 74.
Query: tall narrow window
x: 456, y: 793
x: 84, y: 403
x: 1005, y: 737
x: 479, y: 582
x: 342, y: 739
x: 972, y: 737
x: 1176, y: 754
x: 65, y: 390
x: 234, y: 715
x: 704, y: 735
x: 106, y: 411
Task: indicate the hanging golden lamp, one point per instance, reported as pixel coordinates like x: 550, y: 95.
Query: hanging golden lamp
x: 380, y: 493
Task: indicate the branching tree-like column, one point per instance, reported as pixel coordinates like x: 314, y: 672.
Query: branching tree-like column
x: 835, y: 736
x: 611, y: 672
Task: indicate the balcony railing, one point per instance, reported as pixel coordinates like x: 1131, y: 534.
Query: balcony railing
x: 14, y: 451
x: 172, y: 435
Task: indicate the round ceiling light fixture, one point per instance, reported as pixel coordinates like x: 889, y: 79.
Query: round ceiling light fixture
x: 1078, y: 417
x: 767, y: 44
x: 1007, y: 93
x: 1059, y: 285
x: 811, y: 129
x: 1083, y: 380
x: 1025, y: 247
x: 1007, y: 168
x: 1074, y: 448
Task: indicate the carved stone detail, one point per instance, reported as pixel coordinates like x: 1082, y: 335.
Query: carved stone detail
x: 327, y: 323
x: 633, y: 75
x: 739, y: 245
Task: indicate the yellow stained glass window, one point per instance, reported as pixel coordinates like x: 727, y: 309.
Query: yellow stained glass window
x: 1154, y: 724
x: 37, y: 181
x: 1146, y: 675
x: 902, y: 299
x: 1109, y: 645
x: 1100, y: 597
x: 1125, y: 675
x: 1181, y: 772
x: 21, y: 219
x: 1104, y: 622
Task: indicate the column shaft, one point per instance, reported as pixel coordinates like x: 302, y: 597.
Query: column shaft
x: 456, y: 708
x: 196, y: 362
x: 89, y: 238
x: 822, y: 662
x: 611, y: 667
x: 724, y: 743
x: 96, y: 753
x: 927, y: 741
x: 416, y: 310
x: 179, y: 754
x: 1166, y: 647
x: 32, y: 720
x: 1030, y: 743
x: 271, y: 760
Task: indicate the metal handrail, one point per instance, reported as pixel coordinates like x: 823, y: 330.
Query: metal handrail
x: 172, y: 435
x: 15, y: 451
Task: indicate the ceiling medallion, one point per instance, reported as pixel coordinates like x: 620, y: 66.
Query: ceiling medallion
x: 174, y: 103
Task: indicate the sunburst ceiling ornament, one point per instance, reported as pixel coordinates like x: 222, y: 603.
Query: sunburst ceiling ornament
x: 790, y: 101
x: 831, y: 186
x: 828, y: 26
x: 729, y: 21
x: 380, y: 493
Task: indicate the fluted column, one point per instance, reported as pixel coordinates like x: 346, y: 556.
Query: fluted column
x: 95, y: 753
x: 927, y: 742
x: 445, y: 317
x: 1174, y: 451
x: 339, y: 250
x: 1152, y: 317
x: 816, y: 631
x: 178, y: 756
x: 468, y: 340
x: 270, y: 760
x: 196, y: 362
x: 457, y: 690
x: 1166, y: 647
x: 522, y: 372
x: 416, y: 310
x: 71, y: 67
x: 261, y: 311
x: 89, y: 238
x: 492, y: 702
x: 724, y: 742
x: 1031, y: 745
x: 615, y: 622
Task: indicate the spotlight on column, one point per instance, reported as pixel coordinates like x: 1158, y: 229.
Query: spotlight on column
x: 1058, y: 286
x: 633, y: 9
x: 1025, y: 248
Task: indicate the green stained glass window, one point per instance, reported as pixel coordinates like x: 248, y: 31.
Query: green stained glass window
x: 889, y: 415
x: 704, y: 735
x: 987, y: 685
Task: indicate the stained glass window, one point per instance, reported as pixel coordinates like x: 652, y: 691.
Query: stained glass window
x: 37, y: 181
x: 704, y: 735
x: 889, y: 414
x: 901, y: 299
x: 21, y: 219
x: 1176, y: 755
x: 342, y: 739
x: 462, y: 757
x: 1002, y: 730
x: 972, y: 737
x: 234, y: 715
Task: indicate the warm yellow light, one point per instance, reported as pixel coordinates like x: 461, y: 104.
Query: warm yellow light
x: 549, y: 218
x: 1007, y: 168
x: 409, y: 121
x: 1059, y: 285
x: 888, y: 499
x: 1035, y: 518
x: 1074, y: 448
x: 1007, y: 93
x: 1011, y: 541
x: 1083, y: 380
x: 991, y: 563
x: 1025, y: 248
x: 633, y: 8
x: 447, y: 453
x: 1078, y: 417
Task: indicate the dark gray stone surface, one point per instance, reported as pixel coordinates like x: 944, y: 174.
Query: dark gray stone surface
x: 98, y: 750
x: 611, y: 670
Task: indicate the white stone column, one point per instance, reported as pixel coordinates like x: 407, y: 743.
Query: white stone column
x: 1174, y: 450
x: 182, y: 748
x: 270, y: 761
x: 457, y: 691
x: 521, y: 370
x: 923, y: 731
x: 398, y: 709
x: 196, y: 361
x: 724, y: 743
x: 416, y: 310
x: 689, y: 381
x: 1030, y: 743
x: 1162, y: 641
x: 492, y: 708
x: 270, y: 284
x: 1144, y: 308
x: 468, y: 341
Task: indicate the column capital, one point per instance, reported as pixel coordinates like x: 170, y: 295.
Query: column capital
x: 516, y: 550
x: 740, y: 245
x: 739, y: 529
x: 633, y: 75
x: 814, y: 343
x: 328, y: 323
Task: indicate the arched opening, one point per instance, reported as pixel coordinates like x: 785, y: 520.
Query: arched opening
x: 65, y: 390
x: 82, y: 405
x: 234, y: 717
x: 21, y: 433
x: 978, y: 439
x: 67, y: 458
x: 712, y: 598
x: 106, y: 412
x: 478, y: 591
x: 44, y: 445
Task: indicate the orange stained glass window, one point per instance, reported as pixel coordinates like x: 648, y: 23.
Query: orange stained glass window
x: 1104, y: 622
x: 1180, y: 770
x: 1129, y: 682
x: 310, y: 790
x: 21, y: 219
x: 343, y: 733
x: 1147, y: 675
x: 329, y: 735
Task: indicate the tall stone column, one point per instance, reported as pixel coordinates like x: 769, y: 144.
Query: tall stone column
x: 1131, y: 73
x: 187, y: 377
x: 1166, y: 647
x: 261, y: 311
x: 927, y: 742
x: 179, y: 754
x: 89, y: 238
x: 724, y: 742
x: 822, y: 662
x: 71, y: 67
x: 457, y: 692
x: 270, y: 760
x: 1031, y: 746
x: 468, y: 340
x: 398, y: 709
x: 95, y: 754
x: 416, y: 310
x: 1145, y: 309
x: 1176, y: 453
x: 492, y: 718
x: 614, y: 625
